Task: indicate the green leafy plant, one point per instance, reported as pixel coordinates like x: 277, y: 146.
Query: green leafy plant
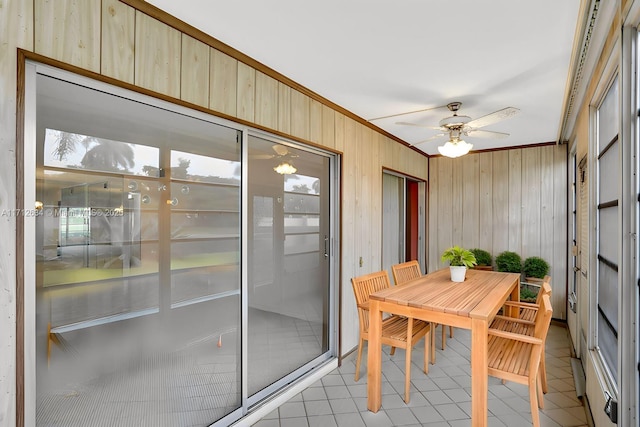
x: 509, y: 262
x: 528, y: 295
x: 535, y: 267
x: 458, y: 256
x: 482, y: 257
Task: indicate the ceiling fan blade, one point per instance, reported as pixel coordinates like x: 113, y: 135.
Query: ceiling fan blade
x: 487, y: 134
x: 421, y: 126
x: 262, y: 156
x: 281, y: 150
x: 408, y: 112
x: 494, y: 117
x: 439, y: 135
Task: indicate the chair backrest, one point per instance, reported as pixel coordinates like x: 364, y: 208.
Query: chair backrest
x: 363, y: 286
x: 405, y: 271
x: 544, y: 289
x: 543, y: 318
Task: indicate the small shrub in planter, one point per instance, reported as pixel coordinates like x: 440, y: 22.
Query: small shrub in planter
x: 509, y: 262
x: 535, y: 267
x: 528, y: 295
x: 483, y: 258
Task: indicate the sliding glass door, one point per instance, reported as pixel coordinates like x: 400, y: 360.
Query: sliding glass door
x: 146, y: 312
x: 288, y: 282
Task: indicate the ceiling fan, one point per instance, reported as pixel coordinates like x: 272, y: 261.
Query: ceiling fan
x: 284, y: 156
x: 457, y: 126
x: 279, y: 151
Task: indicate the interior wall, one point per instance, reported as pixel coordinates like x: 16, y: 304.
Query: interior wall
x: 513, y: 200
x: 132, y: 44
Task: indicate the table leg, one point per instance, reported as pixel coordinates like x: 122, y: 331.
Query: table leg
x: 374, y: 357
x: 479, y: 372
x: 515, y: 296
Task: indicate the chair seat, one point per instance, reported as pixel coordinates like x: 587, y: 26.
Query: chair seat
x: 507, y: 324
x: 395, y: 328
x: 507, y: 355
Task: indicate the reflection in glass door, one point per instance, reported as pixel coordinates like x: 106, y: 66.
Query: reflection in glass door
x: 138, y: 278
x: 288, y: 281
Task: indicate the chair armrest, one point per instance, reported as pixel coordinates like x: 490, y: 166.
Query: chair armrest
x: 530, y: 305
x: 364, y: 305
x: 514, y: 336
x: 514, y: 319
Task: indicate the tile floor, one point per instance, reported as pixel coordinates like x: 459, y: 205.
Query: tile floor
x: 441, y: 398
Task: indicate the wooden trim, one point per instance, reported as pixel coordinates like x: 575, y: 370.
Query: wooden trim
x: 124, y: 85
x: 20, y: 315
x: 200, y: 35
x: 513, y: 147
x: 402, y: 174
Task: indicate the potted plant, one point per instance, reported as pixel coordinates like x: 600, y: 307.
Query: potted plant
x: 534, y: 269
x: 459, y: 260
x: 483, y: 259
x: 509, y: 262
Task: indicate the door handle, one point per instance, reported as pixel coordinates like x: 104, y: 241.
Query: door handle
x: 326, y: 252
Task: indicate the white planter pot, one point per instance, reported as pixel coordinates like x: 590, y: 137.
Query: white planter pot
x: 458, y: 273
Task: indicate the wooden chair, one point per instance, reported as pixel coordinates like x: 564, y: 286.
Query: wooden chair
x: 397, y: 331
x: 405, y: 272
x: 516, y: 357
x: 527, y: 311
x: 525, y: 323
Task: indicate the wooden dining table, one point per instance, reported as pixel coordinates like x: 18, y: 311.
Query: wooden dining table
x: 471, y: 304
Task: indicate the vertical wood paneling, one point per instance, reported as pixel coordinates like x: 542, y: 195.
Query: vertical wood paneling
x: 118, y: 34
x: 456, y: 201
x: 485, y: 193
x: 515, y: 201
x: 266, y: 100
x: 67, y: 30
x: 328, y: 137
x: 223, y: 82
x: 194, y: 77
x: 444, y: 218
x: 299, y: 114
x: 350, y: 247
x: 500, y: 201
x: 284, y: 108
x: 157, y: 56
x: 339, y: 131
x: 315, y: 121
x: 363, y: 200
x: 471, y: 202
x: 548, y: 188
x: 246, y: 92
x: 530, y: 202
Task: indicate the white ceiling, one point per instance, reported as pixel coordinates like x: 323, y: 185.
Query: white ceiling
x: 382, y: 57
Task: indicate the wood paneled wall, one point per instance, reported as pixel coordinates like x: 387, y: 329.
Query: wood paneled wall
x: 512, y: 200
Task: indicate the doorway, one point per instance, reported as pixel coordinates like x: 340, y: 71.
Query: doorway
x: 403, y: 220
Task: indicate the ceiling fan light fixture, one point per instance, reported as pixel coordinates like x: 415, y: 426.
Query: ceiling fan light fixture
x: 455, y: 149
x: 285, y: 168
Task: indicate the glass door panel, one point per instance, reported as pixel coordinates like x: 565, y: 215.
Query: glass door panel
x: 138, y: 278
x: 288, y: 281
